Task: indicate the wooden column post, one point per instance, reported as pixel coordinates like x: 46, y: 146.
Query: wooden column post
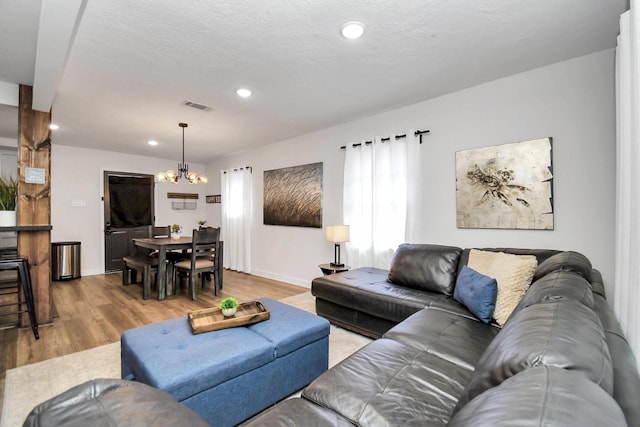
x: 34, y: 201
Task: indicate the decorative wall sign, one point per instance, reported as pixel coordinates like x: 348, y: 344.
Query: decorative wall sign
x: 184, y: 204
x: 214, y: 198
x: 293, y: 196
x: 505, y: 186
x: 34, y: 175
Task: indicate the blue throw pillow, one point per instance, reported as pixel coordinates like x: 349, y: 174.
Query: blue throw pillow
x: 477, y: 292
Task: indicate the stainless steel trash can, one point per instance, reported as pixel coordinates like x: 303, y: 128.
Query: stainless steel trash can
x: 65, y: 260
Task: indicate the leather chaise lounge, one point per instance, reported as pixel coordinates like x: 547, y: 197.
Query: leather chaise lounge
x: 560, y: 358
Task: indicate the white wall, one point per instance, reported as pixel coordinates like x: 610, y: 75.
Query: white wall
x: 8, y: 142
x: 9, y: 94
x: 77, y: 174
x: 572, y: 102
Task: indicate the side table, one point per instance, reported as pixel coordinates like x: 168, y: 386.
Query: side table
x: 328, y: 269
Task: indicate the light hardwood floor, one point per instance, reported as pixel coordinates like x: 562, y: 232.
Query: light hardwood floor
x: 95, y: 310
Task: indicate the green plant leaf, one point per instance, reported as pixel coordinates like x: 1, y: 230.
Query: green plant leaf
x: 8, y: 193
x: 229, y: 302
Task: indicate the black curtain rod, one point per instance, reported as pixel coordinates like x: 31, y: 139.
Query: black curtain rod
x: 418, y: 132
x: 237, y: 169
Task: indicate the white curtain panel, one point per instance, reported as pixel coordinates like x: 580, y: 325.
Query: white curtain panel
x: 376, y: 198
x: 627, y: 272
x: 236, y: 194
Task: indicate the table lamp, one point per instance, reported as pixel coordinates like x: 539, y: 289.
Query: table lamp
x: 337, y: 234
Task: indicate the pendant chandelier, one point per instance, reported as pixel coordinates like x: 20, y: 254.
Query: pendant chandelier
x: 183, y: 169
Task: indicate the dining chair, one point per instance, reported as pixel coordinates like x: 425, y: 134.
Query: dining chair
x: 164, y: 231
x: 139, y: 259
x: 207, y: 275
x: 161, y: 231
x: 202, y: 259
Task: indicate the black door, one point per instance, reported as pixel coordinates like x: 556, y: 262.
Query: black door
x: 128, y: 213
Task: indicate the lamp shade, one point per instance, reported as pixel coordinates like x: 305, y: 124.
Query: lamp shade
x: 337, y: 233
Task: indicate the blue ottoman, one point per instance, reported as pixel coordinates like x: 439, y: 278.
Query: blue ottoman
x: 229, y: 375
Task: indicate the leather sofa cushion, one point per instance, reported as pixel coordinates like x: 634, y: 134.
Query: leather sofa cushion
x: 625, y: 371
x: 297, y: 412
x: 556, y: 286
x: 597, y: 284
x: 565, y: 261
x: 565, y: 334
x: 459, y: 339
x: 412, y: 376
x: 390, y: 383
x: 425, y: 267
x: 106, y: 402
x: 542, y: 396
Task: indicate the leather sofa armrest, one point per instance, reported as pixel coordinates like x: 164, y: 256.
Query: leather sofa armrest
x: 115, y: 403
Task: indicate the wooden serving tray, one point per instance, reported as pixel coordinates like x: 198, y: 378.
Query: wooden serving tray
x: 211, y: 319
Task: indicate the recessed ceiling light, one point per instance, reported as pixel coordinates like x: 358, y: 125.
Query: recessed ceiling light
x: 244, y: 93
x: 352, y: 30
x: 152, y: 142
x: 54, y: 126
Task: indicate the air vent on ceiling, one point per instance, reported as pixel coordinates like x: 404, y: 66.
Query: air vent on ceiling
x: 197, y: 106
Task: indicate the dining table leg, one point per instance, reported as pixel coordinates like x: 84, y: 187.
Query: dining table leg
x: 162, y: 274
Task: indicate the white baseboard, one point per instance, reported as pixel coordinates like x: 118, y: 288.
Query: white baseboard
x: 282, y: 278
x: 266, y: 274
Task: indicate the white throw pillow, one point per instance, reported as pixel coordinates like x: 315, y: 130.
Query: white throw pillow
x: 513, y: 274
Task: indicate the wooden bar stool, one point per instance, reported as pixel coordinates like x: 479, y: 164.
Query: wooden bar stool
x: 22, y: 266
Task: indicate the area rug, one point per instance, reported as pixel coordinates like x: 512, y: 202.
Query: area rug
x: 29, y: 385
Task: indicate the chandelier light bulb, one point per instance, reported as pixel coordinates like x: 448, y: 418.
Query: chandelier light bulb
x: 192, y: 177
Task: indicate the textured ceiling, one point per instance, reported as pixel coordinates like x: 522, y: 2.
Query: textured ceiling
x: 133, y: 63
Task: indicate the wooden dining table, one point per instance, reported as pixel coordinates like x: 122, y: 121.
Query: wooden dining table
x: 163, y: 245
x: 166, y: 244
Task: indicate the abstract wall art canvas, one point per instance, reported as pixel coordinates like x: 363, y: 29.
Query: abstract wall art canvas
x: 293, y: 196
x: 505, y: 186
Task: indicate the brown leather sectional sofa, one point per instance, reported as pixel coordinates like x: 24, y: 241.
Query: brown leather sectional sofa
x: 560, y: 358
